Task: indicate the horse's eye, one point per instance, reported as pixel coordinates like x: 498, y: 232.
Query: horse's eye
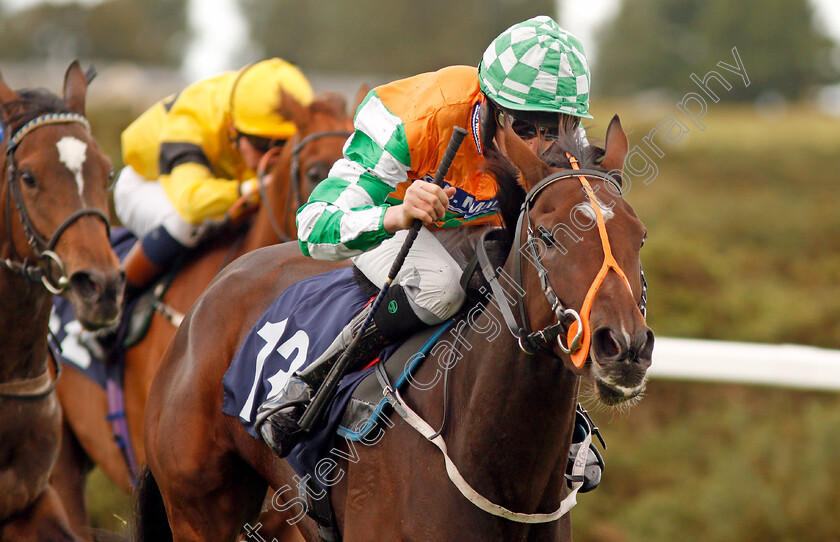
x: 643, y: 241
x: 28, y: 178
x: 112, y: 177
x: 315, y: 175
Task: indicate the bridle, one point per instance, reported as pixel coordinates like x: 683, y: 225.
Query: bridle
x: 294, y: 196
x: 39, y: 270
x: 578, y: 335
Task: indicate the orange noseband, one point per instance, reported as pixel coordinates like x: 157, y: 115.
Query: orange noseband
x: 579, y: 356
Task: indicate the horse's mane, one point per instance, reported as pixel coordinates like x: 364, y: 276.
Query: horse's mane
x: 330, y: 103
x: 510, y: 194
x: 32, y: 103
x: 588, y: 156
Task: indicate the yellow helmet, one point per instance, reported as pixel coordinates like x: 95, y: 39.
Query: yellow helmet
x: 255, y: 98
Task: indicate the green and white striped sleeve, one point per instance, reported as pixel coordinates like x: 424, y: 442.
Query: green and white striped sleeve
x: 344, y: 214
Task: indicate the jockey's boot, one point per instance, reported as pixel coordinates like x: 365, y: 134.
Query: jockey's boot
x: 140, y: 270
x: 148, y: 259
x: 277, y: 417
x: 594, y: 463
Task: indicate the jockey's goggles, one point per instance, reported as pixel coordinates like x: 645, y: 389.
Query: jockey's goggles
x: 262, y: 144
x: 526, y: 128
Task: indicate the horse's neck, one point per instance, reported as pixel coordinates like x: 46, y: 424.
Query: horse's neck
x: 24, y: 313
x: 517, y: 409
x: 24, y: 318
x: 262, y: 231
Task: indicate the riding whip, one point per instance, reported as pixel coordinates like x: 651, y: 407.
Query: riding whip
x: 327, y: 390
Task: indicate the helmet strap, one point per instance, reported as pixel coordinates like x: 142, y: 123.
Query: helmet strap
x: 487, y: 122
x: 233, y: 135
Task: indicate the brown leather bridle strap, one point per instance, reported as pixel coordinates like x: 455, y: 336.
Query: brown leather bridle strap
x: 41, y: 246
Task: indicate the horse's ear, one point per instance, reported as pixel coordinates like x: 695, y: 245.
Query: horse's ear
x: 615, y: 149
x: 75, y: 88
x: 360, y: 96
x: 7, y: 94
x: 533, y: 169
x: 292, y: 110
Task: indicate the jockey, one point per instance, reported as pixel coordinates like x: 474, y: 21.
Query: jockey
x: 535, y: 76
x: 203, y: 146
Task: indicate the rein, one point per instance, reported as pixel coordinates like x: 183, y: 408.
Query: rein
x: 294, y: 194
x: 41, y: 246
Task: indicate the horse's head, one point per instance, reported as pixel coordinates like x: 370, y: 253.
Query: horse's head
x: 323, y: 126
x: 55, y: 213
x: 582, y: 240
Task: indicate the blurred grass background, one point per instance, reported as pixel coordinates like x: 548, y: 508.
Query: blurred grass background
x: 742, y: 217
x: 744, y: 244
x: 743, y: 221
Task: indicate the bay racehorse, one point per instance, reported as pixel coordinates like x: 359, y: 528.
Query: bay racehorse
x: 574, y: 259
x: 88, y: 438
x: 53, y: 240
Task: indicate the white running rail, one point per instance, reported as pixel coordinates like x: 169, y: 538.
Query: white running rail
x: 787, y: 365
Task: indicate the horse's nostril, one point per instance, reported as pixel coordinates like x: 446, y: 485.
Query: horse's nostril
x: 645, y: 351
x: 605, y: 345
x: 89, y: 286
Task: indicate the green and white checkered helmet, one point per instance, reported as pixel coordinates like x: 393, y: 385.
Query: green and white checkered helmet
x: 537, y: 66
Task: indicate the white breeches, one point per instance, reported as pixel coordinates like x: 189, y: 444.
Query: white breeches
x: 142, y: 205
x: 432, y: 270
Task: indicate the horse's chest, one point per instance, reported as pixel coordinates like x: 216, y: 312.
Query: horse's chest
x: 29, y: 441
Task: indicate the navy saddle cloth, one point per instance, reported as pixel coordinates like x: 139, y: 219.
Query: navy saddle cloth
x: 295, y: 330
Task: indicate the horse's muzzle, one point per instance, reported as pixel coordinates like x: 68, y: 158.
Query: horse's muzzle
x: 96, y: 297
x: 621, y: 360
